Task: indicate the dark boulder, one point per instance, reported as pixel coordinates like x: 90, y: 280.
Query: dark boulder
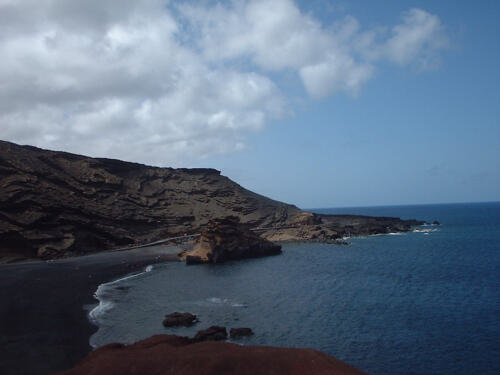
x: 214, y: 333
x: 436, y: 222
x: 179, y: 319
x: 239, y: 332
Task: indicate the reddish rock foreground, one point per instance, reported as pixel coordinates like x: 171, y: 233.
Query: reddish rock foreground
x: 170, y: 354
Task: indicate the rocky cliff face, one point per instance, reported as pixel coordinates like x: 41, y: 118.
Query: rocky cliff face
x: 55, y: 204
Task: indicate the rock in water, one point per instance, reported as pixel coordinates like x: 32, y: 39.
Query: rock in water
x: 179, y: 319
x: 169, y: 354
x: 226, y: 239
x: 238, y: 332
x: 214, y: 333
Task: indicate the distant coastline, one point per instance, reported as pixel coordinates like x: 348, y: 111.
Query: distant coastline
x: 57, y: 205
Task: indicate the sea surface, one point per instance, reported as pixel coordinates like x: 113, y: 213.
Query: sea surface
x: 425, y: 302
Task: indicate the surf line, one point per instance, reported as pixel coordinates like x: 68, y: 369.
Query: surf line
x: 106, y: 305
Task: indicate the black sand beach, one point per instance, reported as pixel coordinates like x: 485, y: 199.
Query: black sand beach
x: 43, y: 324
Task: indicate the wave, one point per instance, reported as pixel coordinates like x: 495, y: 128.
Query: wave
x: 104, y: 293
x: 218, y: 302
x: 425, y: 230
x: 236, y: 304
x: 225, y: 301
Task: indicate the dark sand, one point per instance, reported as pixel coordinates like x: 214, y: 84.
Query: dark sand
x: 44, y: 326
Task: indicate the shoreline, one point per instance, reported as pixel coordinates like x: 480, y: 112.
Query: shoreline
x: 45, y: 326
x: 56, y: 327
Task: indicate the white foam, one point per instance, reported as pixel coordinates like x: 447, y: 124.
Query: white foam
x: 238, y: 305
x: 385, y: 234
x: 224, y: 301
x: 100, y: 294
x: 425, y: 230
x: 214, y: 300
x: 148, y: 269
x: 103, y: 307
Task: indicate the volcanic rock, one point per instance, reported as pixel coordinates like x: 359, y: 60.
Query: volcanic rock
x: 214, y: 333
x: 57, y: 204
x: 226, y: 239
x: 333, y: 228
x: 179, y: 319
x: 169, y: 354
x: 238, y: 332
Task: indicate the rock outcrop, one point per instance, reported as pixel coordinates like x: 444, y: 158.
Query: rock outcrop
x: 213, y: 333
x: 179, y: 319
x: 240, y: 332
x: 169, y: 354
x: 226, y: 239
x: 334, y: 228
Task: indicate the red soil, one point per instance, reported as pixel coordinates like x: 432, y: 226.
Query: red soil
x: 170, y: 354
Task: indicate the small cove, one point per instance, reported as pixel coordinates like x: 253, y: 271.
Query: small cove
x: 424, y: 302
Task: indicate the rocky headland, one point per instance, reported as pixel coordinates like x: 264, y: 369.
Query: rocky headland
x: 336, y: 228
x: 56, y: 204
x: 224, y: 239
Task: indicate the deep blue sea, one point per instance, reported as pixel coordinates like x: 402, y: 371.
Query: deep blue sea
x: 425, y: 302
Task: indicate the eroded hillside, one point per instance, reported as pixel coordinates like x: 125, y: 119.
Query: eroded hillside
x: 55, y: 204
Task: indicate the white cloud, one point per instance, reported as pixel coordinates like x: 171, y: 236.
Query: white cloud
x: 163, y: 84
x: 417, y: 39
x: 333, y: 74
x: 276, y: 35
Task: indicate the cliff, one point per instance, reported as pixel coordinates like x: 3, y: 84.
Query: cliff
x: 55, y: 204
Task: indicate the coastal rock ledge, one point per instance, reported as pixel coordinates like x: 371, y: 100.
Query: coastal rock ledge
x: 170, y: 354
x: 225, y: 239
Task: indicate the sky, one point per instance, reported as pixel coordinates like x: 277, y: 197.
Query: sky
x: 317, y: 103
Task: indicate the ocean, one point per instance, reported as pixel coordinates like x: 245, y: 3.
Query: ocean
x: 423, y: 302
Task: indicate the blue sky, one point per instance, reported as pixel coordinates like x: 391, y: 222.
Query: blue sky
x: 318, y: 103
x: 410, y: 136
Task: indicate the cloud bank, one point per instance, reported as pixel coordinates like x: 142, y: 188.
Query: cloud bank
x: 166, y: 83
